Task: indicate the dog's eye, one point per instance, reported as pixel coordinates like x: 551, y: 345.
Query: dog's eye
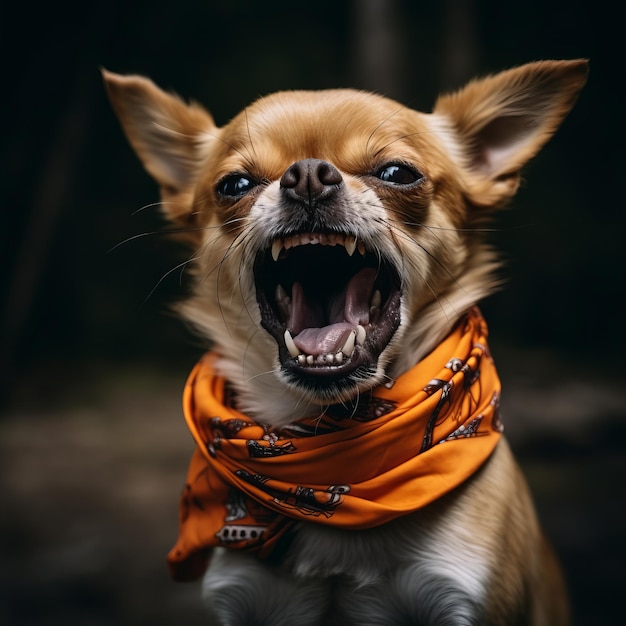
x: 396, y: 174
x: 235, y: 185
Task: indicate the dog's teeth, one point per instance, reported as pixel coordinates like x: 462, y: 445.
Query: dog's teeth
x: 281, y: 295
x: 277, y: 246
x: 283, y: 301
x: 361, y: 247
x: 376, y: 299
x: 291, y: 346
x: 375, y: 306
x: 360, y: 335
x: 350, y: 244
x: 320, y: 359
x: 348, y: 347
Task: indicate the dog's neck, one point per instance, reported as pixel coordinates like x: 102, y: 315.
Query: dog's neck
x: 451, y: 397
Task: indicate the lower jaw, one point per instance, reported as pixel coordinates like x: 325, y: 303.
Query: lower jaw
x: 325, y: 385
x: 337, y: 377
x: 325, y: 372
x: 326, y: 388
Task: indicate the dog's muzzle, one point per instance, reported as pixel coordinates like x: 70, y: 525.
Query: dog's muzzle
x: 331, y: 304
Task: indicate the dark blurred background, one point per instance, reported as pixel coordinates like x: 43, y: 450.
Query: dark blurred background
x: 93, y: 449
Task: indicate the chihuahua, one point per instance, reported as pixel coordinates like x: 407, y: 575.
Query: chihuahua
x: 350, y: 464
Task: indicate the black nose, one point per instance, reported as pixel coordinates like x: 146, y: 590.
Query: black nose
x: 310, y: 180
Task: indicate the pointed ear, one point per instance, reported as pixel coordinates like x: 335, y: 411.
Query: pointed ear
x: 170, y: 137
x: 502, y: 121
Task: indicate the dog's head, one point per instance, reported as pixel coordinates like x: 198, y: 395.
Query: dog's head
x: 336, y: 234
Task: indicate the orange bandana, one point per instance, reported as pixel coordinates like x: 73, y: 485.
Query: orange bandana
x: 247, y: 483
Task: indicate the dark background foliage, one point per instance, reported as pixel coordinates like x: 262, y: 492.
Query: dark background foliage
x: 85, y: 302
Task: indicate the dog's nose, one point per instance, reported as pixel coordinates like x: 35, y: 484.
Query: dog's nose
x: 310, y: 180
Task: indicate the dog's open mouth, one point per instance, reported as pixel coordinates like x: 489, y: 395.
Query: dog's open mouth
x: 331, y: 304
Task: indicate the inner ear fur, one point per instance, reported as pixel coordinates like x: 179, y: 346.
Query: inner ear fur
x: 502, y: 121
x: 170, y: 137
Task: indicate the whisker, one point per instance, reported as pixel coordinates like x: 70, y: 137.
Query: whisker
x: 394, y: 232
x: 405, y: 136
x: 152, y: 205
x: 473, y: 229
x: 382, y: 123
x: 240, y: 281
x: 166, y: 231
x: 250, y: 136
x: 249, y: 161
x: 180, y: 266
x: 133, y: 238
x: 237, y: 242
x: 250, y: 379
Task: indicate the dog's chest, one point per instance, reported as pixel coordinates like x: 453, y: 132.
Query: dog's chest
x: 438, y: 550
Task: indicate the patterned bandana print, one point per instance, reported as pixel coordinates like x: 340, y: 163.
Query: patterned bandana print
x: 399, y: 450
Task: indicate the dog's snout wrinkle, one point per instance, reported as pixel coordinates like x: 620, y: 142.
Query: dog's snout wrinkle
x: 310, y: 180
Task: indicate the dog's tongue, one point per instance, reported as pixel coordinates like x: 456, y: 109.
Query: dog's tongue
x: 324, y: 327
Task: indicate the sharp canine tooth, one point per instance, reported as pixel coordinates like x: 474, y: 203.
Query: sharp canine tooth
x: 360, y: 335
x: 281, y: 294
x: 277, y: 246
x: 291, y: 346
x: 350, y: 245
x: 361, y: 247
x: 348, y: 347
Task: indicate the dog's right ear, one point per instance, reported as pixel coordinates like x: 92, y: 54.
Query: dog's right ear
x: 170, y: 137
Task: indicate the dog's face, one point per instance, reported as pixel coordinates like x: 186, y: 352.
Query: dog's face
x: 336, y: 234
x: 328, y: 213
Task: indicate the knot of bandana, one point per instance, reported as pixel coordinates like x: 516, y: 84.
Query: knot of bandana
x: 399, y: 450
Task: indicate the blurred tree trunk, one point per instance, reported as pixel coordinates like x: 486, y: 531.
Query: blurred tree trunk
x: 378, y: 46
x: 50, y: 197
x: 382, y: 59
x: 460, y: 44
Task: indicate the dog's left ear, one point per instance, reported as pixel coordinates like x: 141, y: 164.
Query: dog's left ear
x: 170, y: 137
x: 503, y: 120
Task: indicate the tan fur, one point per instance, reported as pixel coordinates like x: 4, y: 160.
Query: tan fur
x: 468, y: 153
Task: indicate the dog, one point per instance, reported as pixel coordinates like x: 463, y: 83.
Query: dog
x: 350, y: 464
